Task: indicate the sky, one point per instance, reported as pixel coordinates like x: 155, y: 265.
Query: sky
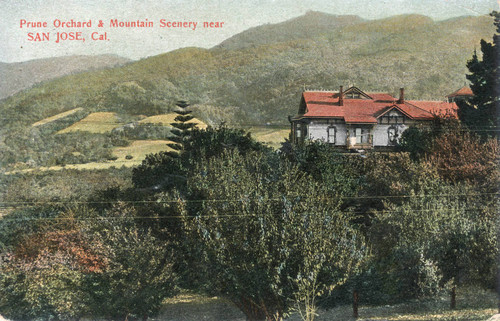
x: 137, y: 43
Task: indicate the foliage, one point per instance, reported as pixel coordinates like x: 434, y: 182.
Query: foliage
x: 264, y: 243
x: 44, y: 275
x: 340, y: 174
x: 138, y: 275
x: 432, y: 238
x: 32, y: 148
x: 416, y: 141
x: 480, y: 112
x: 161, y: 171
x: 182, y: 128
x: 461, y: 157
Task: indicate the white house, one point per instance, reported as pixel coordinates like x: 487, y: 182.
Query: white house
x: 353, y: 119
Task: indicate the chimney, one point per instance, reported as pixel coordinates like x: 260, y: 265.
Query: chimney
x: 341, y: 96
x: 401, y: 99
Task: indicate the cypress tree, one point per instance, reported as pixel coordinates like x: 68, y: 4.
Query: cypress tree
x: 480, y: 112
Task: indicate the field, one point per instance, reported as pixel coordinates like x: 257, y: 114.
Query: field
x: 100, y: 122
x: 167, y: 119
x: 138, y: 149
x: 472, y: 306
x: 271, y: 136
x: 56, y: 117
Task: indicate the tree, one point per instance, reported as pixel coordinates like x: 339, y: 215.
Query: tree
x: 266, y: 234
x: 44, y: 276
x: 161, y: 172
x: 339, y: 173
x: 182, y: 127
x: 429, y: 240
x: 138, y: 274
x: 480, y: 113
x: 99, y: 266
x: 461, y: 157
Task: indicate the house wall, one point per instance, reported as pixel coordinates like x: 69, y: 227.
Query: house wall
x: 381, y: 133
x: 318, y: 130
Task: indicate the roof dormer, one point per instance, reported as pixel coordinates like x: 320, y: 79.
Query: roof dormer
x: 355, y: 93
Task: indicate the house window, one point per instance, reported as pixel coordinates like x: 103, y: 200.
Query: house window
x: 359, y: 136
x: 331, y: 134
x: 362, y: 135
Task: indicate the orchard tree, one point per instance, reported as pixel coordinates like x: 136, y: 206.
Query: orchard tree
x: 461, y: 157
x: 269, y: 239
x: 138, y: 274
x: 447, y: 237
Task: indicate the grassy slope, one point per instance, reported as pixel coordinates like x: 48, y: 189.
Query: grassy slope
x: 56, y: 117
x: 167, y: 119
x: 100, y: 122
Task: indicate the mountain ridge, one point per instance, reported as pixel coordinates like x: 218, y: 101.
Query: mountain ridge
x: 17, y: 76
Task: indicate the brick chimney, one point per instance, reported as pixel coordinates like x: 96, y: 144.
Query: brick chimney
x: 341, y: 96
x: 401, y: 99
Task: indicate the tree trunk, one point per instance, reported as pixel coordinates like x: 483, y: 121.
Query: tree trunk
x: 453, y: 303
x: 256, y: 312
x: 355, y: 304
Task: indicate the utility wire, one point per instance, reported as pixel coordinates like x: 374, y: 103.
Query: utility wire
x: 221, y: 215
x: 35, y: 203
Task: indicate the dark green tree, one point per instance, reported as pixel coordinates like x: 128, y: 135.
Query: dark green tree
x: 182, y: 127
x: 160, y: 171
x: 269, y: 239
x: 480, y: 112
x: 138, y: 274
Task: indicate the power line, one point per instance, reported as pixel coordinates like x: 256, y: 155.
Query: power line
x: 34, y: 203
x: 441, y: 210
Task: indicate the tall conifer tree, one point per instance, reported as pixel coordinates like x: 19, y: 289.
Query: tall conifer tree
x: 480, y: 113
x: 182, y: 128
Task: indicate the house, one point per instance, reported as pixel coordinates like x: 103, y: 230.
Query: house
x: 357, y: 120
x: 464, y: 93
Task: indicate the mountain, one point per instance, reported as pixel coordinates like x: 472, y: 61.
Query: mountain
x: 21, y: 75
x: 311, y: 24
x: 247, y: 81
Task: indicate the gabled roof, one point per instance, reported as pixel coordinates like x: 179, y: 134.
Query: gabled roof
x: 464, y: 91
x: 356, y: 90
x: 325, y: 104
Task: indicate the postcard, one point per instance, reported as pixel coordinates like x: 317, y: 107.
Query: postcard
x: 249, y: 160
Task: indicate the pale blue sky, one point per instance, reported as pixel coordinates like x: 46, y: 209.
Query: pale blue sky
x: 140, y: 43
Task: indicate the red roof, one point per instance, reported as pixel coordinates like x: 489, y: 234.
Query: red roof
x: 323, y: 104
x: 464, y: 91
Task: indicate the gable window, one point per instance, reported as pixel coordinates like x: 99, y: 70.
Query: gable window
x: 353, y: 95
x: 331, y: 131
x: 392, y: 120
